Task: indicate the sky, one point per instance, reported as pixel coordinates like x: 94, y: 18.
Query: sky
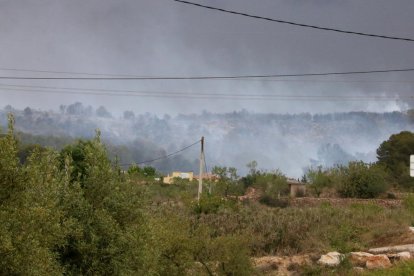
x: 166, y: 38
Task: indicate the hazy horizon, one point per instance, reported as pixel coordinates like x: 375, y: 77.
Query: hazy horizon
x: 165, y: 38
x: 291, y: 143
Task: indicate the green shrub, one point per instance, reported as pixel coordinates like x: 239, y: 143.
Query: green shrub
x: 361, y: 180
x: 319, y: 180
x: 211, y: 204
x: 274, y: 202
x: 408, y: 202
x: 273, y: 184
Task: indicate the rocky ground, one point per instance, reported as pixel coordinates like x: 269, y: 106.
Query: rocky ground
x: 374, y: 258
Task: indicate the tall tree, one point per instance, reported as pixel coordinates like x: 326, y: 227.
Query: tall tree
x: 394, y: 155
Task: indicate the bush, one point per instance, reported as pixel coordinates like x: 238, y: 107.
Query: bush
x: 361, y: 180
x: 408, y: 204
x: 211, y: 204
x: 273, y: 184
x: 319, y: 180
x: 274, y: 202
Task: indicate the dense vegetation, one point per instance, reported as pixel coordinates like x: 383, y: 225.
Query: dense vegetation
x: 75, y: 212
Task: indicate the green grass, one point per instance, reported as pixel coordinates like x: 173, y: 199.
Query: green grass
x: 401, y: 269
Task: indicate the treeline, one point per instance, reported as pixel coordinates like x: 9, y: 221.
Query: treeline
x: 287, y: 141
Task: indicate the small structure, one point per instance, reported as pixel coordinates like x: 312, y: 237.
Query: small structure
x: 183, y: 175
x: 208, y: 176
x: 296, y: 187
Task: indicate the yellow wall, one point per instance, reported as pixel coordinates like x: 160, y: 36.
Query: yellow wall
x: 184, y: 175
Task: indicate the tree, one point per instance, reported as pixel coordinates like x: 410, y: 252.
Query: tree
x: 77, y: 154
x: 145, y: 172
x: 75, y: 109
x: 109, y: 233
x: 62, y: 108
x: 8, y: 108
x: 149, y: 171
x: 319, y: 180
x: 394, y: 155
x: 24, y: 151
x: 129, y: 115
x: 227, y: 181
x: 32, y: 223
x: 250, y: 178
x: 102, y: 112
x: 273, y: 184
x: 28, y: 112
x: 252, y: 166
x: 134, y: 170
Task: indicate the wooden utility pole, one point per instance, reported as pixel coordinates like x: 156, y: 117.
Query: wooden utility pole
x: 200, y: 177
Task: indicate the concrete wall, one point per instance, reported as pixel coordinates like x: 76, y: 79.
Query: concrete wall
x: 297, y: 188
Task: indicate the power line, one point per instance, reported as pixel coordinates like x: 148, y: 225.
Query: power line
x: 252, y: 97
x: 171, y: 93
x: 66, y: 72
x: 210, y: 77
x: 295, y: 23
x: 162, y: 157
x: 251, y: 78
x: 217, y: 96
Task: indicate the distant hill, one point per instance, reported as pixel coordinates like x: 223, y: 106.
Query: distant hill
x: 290, y: 142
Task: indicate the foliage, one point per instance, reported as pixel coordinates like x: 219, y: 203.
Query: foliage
x: 147, y: 172
x: 252, y: 166
x: 361, y: 180
x: 211, y: 204
x: 273, y: 202
x: 394, y: 155
x: 24, y: 151
x: 54, y: 222
x: 32, y: 225
x: 73, y: 212
x: 228, y: 182
x: 191, y: 247
x: 319, y: 179
x: 272, y: 184
x: 408, y: 203
x: 98, y: 222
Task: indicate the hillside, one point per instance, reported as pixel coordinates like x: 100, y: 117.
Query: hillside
x: 290, y: 142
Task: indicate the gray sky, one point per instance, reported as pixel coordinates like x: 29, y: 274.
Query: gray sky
x: 162, y: 37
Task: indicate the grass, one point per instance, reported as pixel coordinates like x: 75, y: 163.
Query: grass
x: 401, y: 269
x: 296, y: 230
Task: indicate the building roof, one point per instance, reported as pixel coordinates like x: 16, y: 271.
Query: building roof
x: 292, y: 181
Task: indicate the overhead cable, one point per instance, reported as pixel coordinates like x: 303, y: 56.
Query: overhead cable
x: 251, y: 79
x: 217, y: 96
x: 168, y: 93
x: 295, y: 23
x: 209, y: 77
x: 162, y: 157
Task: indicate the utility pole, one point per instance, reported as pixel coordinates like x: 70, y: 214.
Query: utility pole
x: 200, y: 177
